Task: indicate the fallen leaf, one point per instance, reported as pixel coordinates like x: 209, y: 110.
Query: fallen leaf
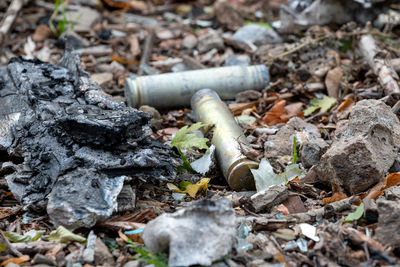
x: 332, y: 81
x: 336, y: 197
x: 355, y: 215
x: 191, y: 189
x: 282, y: 113
x: 63, y: 235
x: 19, y: 260
x: 346, y: 104
x: 186, y: 140
x: 2, y: 247
x: 323, y: 105
x: 273, y: 115
x: 27, y: 237
x: 42, y: 32
x: 392, y: 179
x: 283, y: 209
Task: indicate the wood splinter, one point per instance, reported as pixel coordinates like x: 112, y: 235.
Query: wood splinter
x: 382, y: 68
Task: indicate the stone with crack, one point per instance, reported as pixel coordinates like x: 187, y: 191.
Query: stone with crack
x: 387, y: 231
x: 364, y: 150
x: 78, y: 146
x: 196, y: 235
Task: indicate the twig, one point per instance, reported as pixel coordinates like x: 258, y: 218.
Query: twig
x: 382, y: 68
x: 324, y: 212
x: 291, y: 51
x: 9, y: 18
x: 148, y: 46
x: 10, y: 246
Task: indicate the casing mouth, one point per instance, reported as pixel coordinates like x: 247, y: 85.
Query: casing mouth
x: 239, y: 176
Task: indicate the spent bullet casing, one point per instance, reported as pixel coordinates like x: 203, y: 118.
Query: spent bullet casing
x: 176, y: 89
x: 227, y: 138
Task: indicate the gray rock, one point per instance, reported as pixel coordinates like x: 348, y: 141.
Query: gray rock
x: 238, y: 60
x: 102, y: 256
x: 256, y: 35
x: 132, y: 264
x: 247, y: 96
x: 364, y: 150
x: 312, y: 151
x: 392, y: 193
x: 196, y: 235
x: 80, y: 199
x: 190, y: 41
x: 88, y: 253
x: 84, y: 18
x: 126, y: 199
x: 209, y: 41
x: 387, y: 231
x: 41, y: 259
x: 11, y: 264
x: 281, y: 143
x: 267, y: 198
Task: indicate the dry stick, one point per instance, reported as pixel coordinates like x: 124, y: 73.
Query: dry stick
x: 148, y: 46
x: 382, y: 68
x: 10, y: 246
x: 9, y: 18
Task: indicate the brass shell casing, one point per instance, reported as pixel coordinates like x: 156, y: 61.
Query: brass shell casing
x: 208, y: 108
x: 171, y: 90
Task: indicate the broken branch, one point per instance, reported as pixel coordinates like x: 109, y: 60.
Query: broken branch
x: 381, y: 67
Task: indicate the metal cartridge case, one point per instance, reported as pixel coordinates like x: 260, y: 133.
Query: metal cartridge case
x: 176, y: 89
x: 209, y: 108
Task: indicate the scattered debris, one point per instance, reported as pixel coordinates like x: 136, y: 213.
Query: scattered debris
x: 183, y: 233
x: 268, y: 198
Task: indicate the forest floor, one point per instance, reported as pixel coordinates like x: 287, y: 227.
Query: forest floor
x: 333, y: 85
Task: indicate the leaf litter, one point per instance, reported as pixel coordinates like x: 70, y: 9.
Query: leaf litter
x: 318, y: 73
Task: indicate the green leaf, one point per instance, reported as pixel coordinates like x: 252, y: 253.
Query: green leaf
x: 186, y: 164
x: 2, y: 247
x: 186, y: 140
x: 355, y: 215
x: 63, y: 235
x: 27, y: 237
x: 323, y: 105
x: 262, y: 24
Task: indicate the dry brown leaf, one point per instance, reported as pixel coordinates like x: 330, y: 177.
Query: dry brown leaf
x: 392, y: 179
x: 332, y: 82
x: 273, y: 115
x: 42, y: 32
x: 336, y: 197
x: 283, y: 209
x: 346, y: 104
x: 19, y: 260
x: 138, y: 5
x: 282, y: 113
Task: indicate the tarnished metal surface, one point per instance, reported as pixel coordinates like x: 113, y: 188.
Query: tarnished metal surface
x: 175, y: 89
x: 209, y: 108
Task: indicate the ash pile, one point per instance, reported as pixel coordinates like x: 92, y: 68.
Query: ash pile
x: 75, y: 147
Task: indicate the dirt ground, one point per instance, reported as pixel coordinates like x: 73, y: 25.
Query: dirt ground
x: 341, y: 208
